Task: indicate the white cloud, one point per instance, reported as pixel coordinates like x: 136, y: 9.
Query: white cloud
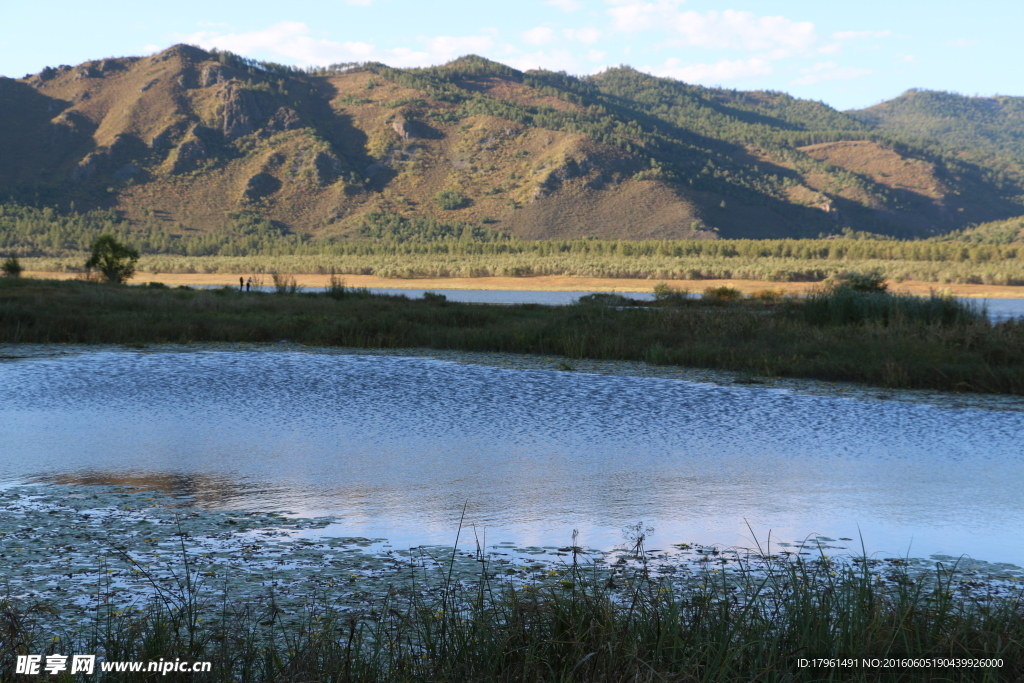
x: 292, y: 42
x: 541, y: 35
x: 829, y: 71
x: 713, y: 74
x: 587, y: 36
x: 860, y: 35
x: 743, y: 30
x: 555, y: 60
x: 633, y: 15
x: 961, y: 42
x: 830, y: 49
x: 909, y: 59
x: 287, y: 39
x: 565, y: 5
x: 726, y: 30
x: 596, y: 55
x: 458, y: 46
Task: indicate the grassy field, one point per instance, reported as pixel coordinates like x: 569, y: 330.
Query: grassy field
x: 879, y: 339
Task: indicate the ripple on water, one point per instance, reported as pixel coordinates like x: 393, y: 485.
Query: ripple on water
x: 394, y: 445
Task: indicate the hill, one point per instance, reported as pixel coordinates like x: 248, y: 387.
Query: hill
x: 207, y: 152
x: 995, y: 124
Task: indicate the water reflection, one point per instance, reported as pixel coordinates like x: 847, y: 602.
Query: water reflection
x: 188, y: 489
x: 396, y: 446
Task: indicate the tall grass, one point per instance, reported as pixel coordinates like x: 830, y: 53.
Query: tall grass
x: 736, y: 619
x: 845, y: 306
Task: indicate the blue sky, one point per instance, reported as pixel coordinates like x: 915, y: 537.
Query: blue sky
x: 848, y: 55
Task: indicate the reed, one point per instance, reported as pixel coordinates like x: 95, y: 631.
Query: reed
x: 900, y: 343
x: 738, y: 618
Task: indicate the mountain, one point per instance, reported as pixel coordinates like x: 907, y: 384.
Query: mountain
x: 188, y: 148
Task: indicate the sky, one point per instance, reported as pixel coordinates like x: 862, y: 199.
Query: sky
x: 848, y: 55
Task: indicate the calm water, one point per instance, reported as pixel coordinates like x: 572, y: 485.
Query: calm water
x: 998, y: 309
x: 396, y: 446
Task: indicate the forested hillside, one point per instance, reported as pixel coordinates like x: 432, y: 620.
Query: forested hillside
x: 207, y: 153
x: 995, y: 124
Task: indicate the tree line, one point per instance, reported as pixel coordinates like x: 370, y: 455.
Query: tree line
x: 46, y: 231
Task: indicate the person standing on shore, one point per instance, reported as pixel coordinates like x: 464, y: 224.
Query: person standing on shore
x: 248, y: 284
x: 241, y: 283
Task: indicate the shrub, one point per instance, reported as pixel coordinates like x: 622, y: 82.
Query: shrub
x: 11, y: 267
x: 449, y: 200
x: 605, y: 299
x: 873, y: 282
x: 284, y: 284
x: 768, y: 295
x: 722, y: 294
x: 666, y: 294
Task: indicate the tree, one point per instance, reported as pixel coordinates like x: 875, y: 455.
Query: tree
x: 450, y: 200
x: 115, y: 260
x: 11, y: 267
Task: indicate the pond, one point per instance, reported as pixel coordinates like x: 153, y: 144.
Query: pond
x: 397, y: 446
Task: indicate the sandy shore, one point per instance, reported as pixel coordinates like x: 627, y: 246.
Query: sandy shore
x: 553, y: 283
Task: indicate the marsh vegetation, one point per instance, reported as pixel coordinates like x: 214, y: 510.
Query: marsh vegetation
x: 839, y: 334
x: 726, y: 617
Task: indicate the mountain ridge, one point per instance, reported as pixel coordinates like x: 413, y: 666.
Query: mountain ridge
x: 190, y: 141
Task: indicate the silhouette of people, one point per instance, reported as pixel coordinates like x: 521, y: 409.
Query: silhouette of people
x: 241, y: 282
x: 248, y: 284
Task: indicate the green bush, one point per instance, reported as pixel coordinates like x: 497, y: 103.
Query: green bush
x: 435, y: 298
x: 873, y: 282
x: 666, y: 294
x: 450, y: 200
x: 722, y: 294
x: 114, y: 260
x: 605, y: 299
x: 11, y: 267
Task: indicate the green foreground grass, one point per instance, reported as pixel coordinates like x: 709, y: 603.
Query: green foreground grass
x: 878, y: 339
x: 749, y: 620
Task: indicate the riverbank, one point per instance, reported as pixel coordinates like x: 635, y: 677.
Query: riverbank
x: 129, y: 574
x: 553, y: 283
x: 911, y: 343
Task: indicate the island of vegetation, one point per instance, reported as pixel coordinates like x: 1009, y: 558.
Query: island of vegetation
x: 853, y: 329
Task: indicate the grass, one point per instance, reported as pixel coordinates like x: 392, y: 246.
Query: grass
x: 739, y: 618
x: 844, y: 306
x: 895, y: 342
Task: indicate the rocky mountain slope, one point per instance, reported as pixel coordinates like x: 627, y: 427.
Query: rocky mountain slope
x: 189, y: 142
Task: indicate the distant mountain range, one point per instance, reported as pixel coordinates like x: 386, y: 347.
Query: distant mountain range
x: 188, y: 143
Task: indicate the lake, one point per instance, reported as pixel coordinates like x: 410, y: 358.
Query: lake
x: 395, y: 446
